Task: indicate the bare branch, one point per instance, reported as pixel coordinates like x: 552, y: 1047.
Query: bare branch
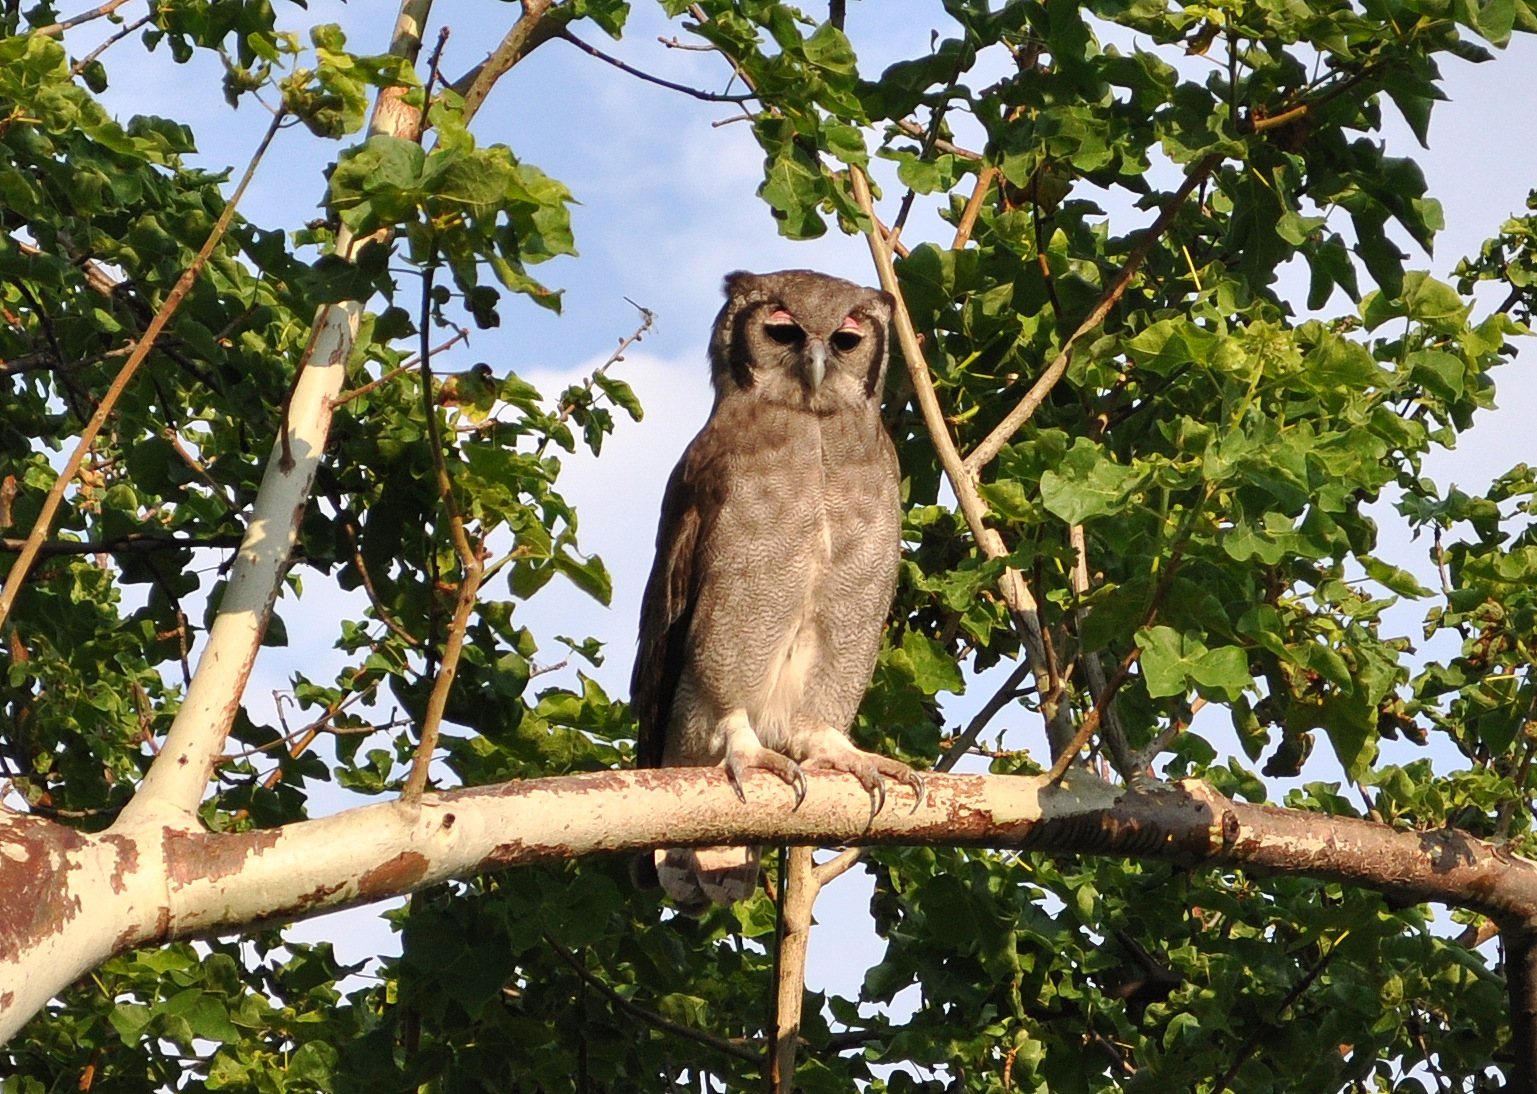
x: 1007, y: 692
x: 1004, y: 431
x: 798, y: 890
x: 1021, y: 602
x: 707, y: 96
x: 913, y: 129
x: 119, y: 895
x: 128, y: 28
x: 835, y: 867
x: 471, y: 563
x: 460, y: 334
x: 129, y: 543
x: 1094, y: 668
x: 541, y: 20
x: 53, y: 30
x: 1091, y: 723
x: 968, y: 222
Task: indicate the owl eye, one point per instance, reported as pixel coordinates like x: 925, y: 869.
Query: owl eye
x: 786, y: 334
x: 845, y: 340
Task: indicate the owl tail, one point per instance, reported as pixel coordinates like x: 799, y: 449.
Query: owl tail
x: 696, y: 877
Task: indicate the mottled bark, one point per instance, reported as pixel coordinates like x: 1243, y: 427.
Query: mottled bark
x: 72, y: 900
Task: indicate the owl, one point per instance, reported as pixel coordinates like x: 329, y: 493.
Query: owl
x: 776, y: 560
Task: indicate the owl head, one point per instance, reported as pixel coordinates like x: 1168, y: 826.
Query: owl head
x: 801, y: 338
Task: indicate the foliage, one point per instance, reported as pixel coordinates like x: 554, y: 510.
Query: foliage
x: 1219, y: 445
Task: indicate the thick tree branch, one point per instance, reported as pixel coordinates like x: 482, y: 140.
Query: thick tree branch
x: 179, y: 776
x: 73, y: 899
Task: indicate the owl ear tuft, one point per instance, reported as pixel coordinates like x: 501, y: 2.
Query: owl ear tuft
x: 739, y: 282
x: 887, y: 299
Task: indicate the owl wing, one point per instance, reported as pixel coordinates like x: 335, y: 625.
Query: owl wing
x: 666, y: 613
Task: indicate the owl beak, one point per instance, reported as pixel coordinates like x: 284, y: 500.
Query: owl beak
x: 816, y: 365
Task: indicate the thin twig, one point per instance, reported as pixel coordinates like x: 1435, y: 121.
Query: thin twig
x: 128, y: 28
x: 410, y: 364
x: 651, y: 1018
x: 968, y: 222
x: 1126, y: 762
x: 835, y: 867
x: 647, y: 320
x: 1268, y: 1030
x: 1107, y: 693
x: 913, y: 129
x: 1066, y: 757
x: 708, y: 96
x: 23, y: 563
x: 673, y: 43
x: 350, y: 526
x: 470, y: 562
x: 1007, y: 692
x: 983, y: 454
x: 125, y: 544
x: 304, y: 737
x: 53, y: 30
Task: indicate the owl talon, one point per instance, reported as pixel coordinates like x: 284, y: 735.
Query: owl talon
x: 920, y: 788
x: 765, y: 759
x: 877, y: 790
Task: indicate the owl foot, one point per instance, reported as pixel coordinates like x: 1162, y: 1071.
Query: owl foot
x: 738, y: 761
x: 698, y: 877
x: 833, y: 752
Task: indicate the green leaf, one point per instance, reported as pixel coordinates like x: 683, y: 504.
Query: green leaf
x: 934, y: 670
x: 1172, y: 662
x: 1086, y: 484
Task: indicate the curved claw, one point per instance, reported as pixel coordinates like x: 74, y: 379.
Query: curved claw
x: 877, y: 790
x: 919, y: 788
x: 734, y: 776
x: 798, y: 784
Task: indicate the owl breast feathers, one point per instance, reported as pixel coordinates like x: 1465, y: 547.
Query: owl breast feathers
x: 776, y: 559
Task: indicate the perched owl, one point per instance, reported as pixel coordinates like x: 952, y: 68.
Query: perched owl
x: 776, y: 559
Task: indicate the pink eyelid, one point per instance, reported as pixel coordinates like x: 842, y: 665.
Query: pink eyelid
x: 852, y: 324
x: 781, y: 316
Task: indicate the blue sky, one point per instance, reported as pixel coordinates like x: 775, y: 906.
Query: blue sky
x: 667, y: 208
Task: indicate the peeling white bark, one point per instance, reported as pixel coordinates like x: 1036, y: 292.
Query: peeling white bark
x: 179, y: 776
x: 68, y: 901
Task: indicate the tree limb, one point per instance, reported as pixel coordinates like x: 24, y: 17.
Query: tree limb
x: 53, y: 30
x: 541, y: 20
x: 1016, y: 594
x: 798, y: 888
x: 179, y: 775
x: 74, y: 898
